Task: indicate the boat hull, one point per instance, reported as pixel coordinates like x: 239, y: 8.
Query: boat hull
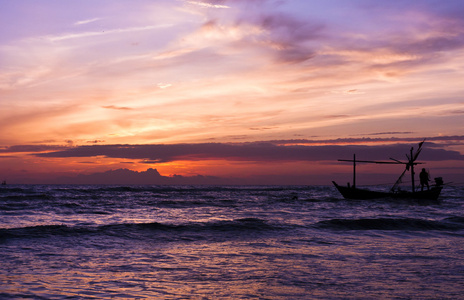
x: 363, y: 194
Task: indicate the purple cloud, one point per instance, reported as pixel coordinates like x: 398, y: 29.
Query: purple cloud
x: 258, y: 152
x: 286, y: 36
x: 31, y: 148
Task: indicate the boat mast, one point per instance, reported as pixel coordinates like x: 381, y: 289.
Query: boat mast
x: 354, y: 170
x: 411, y: 162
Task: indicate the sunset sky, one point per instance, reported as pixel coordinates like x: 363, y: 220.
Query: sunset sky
x: 262, y: 91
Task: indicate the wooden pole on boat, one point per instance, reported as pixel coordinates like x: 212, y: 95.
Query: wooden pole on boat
x: 354, y: 170
x: 411, y: 161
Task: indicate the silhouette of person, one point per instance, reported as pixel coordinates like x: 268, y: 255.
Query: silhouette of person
x: 424, y: 179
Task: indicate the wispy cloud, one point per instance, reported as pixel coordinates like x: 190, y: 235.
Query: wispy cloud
x: 31, y: 148
x: 83, y: 22
x: 117, y: 107
x: 207, y: 4
x: 164, y: 85
x: 68, y: 36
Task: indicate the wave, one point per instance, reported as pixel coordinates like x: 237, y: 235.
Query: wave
x: 39, y: 196
x: 449, y: 224
x: 14, y: 189
x: 456, y: 220
x: 239, y: 225
x: 136, y: 230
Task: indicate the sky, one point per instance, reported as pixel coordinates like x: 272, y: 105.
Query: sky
x: 248, y: 91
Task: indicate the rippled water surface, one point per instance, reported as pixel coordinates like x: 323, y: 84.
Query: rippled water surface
x: 265, y: 242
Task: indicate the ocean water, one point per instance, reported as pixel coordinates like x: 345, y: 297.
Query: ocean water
x: 222, y: 242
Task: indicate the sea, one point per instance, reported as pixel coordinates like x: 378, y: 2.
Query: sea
x: 226, y: 242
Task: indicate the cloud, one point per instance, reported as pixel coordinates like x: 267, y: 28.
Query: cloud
x: 207, y: 4
x: 290, y: 30
x: 394, y: 44
x: 282, y: 36
x: 258, y: 151
x: 164, y: 85
x: 430, y: 141
x: 31, y: 148
x: 117, y: 107
x: 259, y: 70
x: 83, y: 22
x: 95, y: 141
x: 287, y: 36
x: 387, y: 133
x: 67, y: 36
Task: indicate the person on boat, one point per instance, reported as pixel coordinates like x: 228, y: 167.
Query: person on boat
x: 424, y: 179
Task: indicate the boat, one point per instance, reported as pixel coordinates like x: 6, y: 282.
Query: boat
x: 431, y: 193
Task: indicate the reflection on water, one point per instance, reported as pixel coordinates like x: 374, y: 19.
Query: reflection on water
x: 223, y: 243
x: 267, y: 268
